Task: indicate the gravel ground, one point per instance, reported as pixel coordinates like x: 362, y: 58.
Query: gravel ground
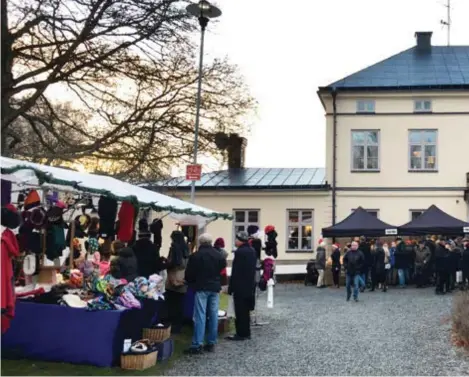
x: 316, y: 332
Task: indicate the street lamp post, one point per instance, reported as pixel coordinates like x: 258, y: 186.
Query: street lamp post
x: 204, y: 11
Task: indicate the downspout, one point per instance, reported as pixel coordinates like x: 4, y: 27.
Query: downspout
x: 334, y: 154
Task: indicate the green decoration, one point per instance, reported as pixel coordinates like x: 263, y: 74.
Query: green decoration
x: 49, y: 178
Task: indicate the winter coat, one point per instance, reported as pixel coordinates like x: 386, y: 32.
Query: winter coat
x: 147, y: 257
x: 441, y: 258
x: 465, y: 260
x: 353, y: 262
x: 203, y: 272
x: 242, y: 281
x: 366, y: 250
x: 335, y: 257
x: 401, y: 259
x: 125, y: 266
x: 392, y: 256
x: 422, y: 257
x: 222, y: 251
x: 271, y: 244
x: 454, y: 259
x: 321, y: 258
x: 379, y: 260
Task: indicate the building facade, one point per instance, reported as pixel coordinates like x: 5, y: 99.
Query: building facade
x: 397, y: 141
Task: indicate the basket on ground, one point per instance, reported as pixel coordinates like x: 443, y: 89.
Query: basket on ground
x: 139, y: 362
x: 157, y: 334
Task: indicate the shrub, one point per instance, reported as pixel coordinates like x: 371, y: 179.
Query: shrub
x: 461, y: 319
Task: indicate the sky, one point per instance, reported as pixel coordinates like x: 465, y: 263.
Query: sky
x: 286, y: 49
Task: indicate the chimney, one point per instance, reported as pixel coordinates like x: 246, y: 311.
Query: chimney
x: 236, y: 151
x: 424, y: 40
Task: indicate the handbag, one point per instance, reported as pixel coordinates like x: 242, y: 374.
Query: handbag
x: 458, y: 276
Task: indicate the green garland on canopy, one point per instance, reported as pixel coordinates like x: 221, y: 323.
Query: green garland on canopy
x: 45, y: 177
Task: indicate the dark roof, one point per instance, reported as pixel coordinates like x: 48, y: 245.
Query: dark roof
x: 253, y: 178
x: 358, y: 223
x: 434, y: 221
x: 441, y: 67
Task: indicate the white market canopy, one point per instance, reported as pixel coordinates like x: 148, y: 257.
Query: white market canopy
x: 24, y: 172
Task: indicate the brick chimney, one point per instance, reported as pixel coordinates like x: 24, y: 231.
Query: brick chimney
x: 236, y: 151
x: 424, y: 41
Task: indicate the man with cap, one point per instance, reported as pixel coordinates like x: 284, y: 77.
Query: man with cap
x: 422, y: 264
x: 335, y: 257
x: 241, y: 285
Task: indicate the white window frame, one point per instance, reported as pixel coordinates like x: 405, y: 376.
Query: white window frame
x: 369, y: 210
x: 365, y: 155
x: 366, y: 106
x: 299, y: 224
x: 419, y: 106
x: 246, y: 222
x: 422, y: 145
x: 411, y: 211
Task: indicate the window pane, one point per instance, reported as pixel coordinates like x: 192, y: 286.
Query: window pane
x: 253, y: 216
x: 358, y: 157
x: 358, y: 137
x: 306, y: 242
x: 306, y: 216
x: 293, y: 238
x: 418, y: 105
x: 372, y: 163
x: 415, y: 136
x: 370, y: 106
x: 240, y: 216
x: 427, y: 105
x: 372, y: 152
x: 430, y: 156
x: 429, y: 136
x: 293, y: 216
x: 360, y: 105
x: 416, y: 157
x: 415, y: 214
x: 239, y: 228
x: 374, y: 213
x: 372, y: 137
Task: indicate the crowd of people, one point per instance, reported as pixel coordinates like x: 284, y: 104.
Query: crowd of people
x: 431, y: 261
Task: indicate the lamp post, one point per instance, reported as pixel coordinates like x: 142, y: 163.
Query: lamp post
x: 204, y: 11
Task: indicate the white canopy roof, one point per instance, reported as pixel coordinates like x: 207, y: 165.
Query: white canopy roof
x: 63, y: 179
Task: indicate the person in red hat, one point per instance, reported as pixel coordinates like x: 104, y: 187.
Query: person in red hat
x: 336, y: 265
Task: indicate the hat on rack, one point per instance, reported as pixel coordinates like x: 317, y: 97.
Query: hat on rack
x: 32, y: 200
x: 54, y: 214
x: 252, y: 229
x: 107, y: 210
x: 38, y: 217
x: 83, y: 220
x: 268, y: 229
x: 10, y: 216
x: 143, y: 229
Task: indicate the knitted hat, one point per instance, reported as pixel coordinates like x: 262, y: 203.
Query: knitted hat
x: 32, y: 200
x: 10, y: 216
x: 54, y: 214
x: 242, y: 236
x: 219, y: 242
x: 38, y: 217
x: 268, y: 229
x: 252, y: 229
x: 336, y: 246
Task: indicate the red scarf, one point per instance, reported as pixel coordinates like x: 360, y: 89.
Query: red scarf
x: 10, y: 250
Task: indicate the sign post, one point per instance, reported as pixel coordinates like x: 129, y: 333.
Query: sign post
x: 193, y: 172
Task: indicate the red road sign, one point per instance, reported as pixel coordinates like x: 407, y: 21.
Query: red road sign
x: 193, y: 172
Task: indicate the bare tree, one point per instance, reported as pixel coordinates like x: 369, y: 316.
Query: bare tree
x: 129, y: 69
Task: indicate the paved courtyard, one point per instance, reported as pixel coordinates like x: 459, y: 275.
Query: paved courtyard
x: 316, y: 332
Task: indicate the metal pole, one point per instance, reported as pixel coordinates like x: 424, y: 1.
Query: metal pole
x: 203, y: 21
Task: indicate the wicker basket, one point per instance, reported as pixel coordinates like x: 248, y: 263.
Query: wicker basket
x: 139, y: 362
x: 157, y: 335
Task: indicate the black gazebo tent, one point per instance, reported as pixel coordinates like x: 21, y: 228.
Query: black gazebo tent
x: 434, y: 221
x: 360, y: 223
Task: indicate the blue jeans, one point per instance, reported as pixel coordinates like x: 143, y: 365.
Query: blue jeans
x: 205, y: 307
x: 355, y: 280
x: 403, y: 275
x: 362, y: 280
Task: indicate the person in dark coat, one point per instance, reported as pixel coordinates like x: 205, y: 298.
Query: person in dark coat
x: 241, y: 285
x: 465, y: 265
x: 379, y: 271
x: 145, y: 251
x: 422, y: 264
x: 401, y: 262
x: 353, y: 265
x: 335, y: 257
x: 454, y: 259
x: 203, y: 276
x: 441, y: 267
x: 365, y: 248
x: 125, y: 266
x: 321, y: 263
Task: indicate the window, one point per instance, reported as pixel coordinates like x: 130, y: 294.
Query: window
x: 374, y: 212
x: 422, y: 106
x: 365, y: 150
x: 365, y: 106
x: 422, y: 150
x: 300, y: 230
x: 243, y: 218
x: 414, y: 213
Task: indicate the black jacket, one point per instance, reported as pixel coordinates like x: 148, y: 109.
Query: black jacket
x: 204, y: 268
x: 454, y: 259
x: 441, y: 258
x: 378, y: 261
x: 335, y: 257
x: 125, y: 265
x: 353, y: 262
x: 147, y: 257
x: 465, y: 260
x: 242, y: 281
x: 366, y: 250
x: 401, y: 257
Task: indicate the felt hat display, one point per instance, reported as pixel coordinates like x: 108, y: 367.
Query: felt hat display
x: 93, y: 230
x: 29, y: 264
x: 38, y: 217
x: 10, y: 216
x: 54, y: 214
x: 156, y: 228
x: 32, y: 200
x: 107, y: 211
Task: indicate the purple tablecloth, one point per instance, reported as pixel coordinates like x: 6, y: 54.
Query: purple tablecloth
x: 58, y: 333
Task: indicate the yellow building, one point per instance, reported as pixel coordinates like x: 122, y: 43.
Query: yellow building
x: 397, y: 141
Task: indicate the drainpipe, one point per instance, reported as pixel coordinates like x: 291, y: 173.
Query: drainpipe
x: 334, y: 154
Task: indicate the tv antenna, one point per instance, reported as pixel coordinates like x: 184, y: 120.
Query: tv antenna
x: 447, y: 23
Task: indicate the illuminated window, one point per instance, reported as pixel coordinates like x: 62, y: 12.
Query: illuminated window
x: 300, y: 230
x: 422, y: 150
